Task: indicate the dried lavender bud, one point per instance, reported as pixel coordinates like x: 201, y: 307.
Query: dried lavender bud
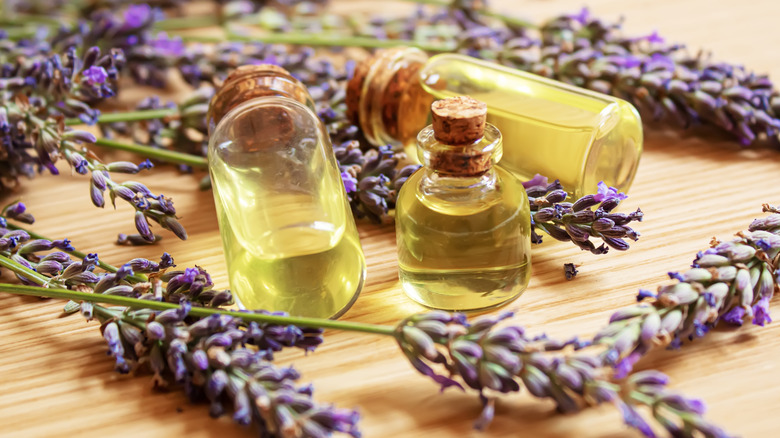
x: 136, y: 239
x: 17, y: 211
x: 570, y: 270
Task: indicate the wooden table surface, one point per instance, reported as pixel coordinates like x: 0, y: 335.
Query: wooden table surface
x: 55, y: 378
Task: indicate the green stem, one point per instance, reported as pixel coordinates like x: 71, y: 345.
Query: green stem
x: 79, y: 254
x: 129, y: 116
x: 16, y: 18
x: 320, y: 40
x: 19, y: 33
x: 150, y: 152
x: 7, y: 262
x: 65, y: 294
x: 642, y: 398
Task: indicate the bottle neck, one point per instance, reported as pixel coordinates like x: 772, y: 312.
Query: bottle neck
x: 386, y: 98
x: 466, y: 161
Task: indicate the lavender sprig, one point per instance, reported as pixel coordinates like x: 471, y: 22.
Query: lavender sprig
x: 578, y: 222
x: 35, y: 95
x: 211, y: 359
x: 496, y: 360
x: 60, y: 269
x: 732, y: 281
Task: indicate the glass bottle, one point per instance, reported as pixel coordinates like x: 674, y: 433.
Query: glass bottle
x: 289, y: 237
x: 462, y: 224
x: 558, y: 130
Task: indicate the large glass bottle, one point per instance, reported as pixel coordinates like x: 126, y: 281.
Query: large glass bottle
x: 287, y: 229
x: 462, y: 224
x: 561, y: 131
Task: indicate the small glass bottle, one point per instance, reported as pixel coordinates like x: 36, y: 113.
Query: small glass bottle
x: 578, y: 136
x: 462, y: 225
x: 289, y: 237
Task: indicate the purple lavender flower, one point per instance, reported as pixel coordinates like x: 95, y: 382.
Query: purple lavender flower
x: 606, y: 193
x: 350, y: 182
x: 167, y: 46
x: 654, y: 38
x: 761, y: 312
x: 570, y: 271
x: 95, y: 75
x: 537, y: 180
x: 735, y: 316
x: 136, y: 15
x: 582, y: 17
x: 18, y: 212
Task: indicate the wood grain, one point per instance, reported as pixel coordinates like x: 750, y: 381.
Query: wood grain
x: 56, y: 380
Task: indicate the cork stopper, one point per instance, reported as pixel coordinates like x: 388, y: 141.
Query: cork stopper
x: 458, y: 120
x: 459, y: 128
x: 250, y: 81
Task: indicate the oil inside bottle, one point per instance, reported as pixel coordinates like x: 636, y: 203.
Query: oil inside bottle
x: 560, y: 131
x: 308, y: 268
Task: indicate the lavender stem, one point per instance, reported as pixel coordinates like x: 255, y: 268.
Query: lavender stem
x: 134, y: 303
x: 319, y: 40
x: 129, y: 116
x: 150, y: 152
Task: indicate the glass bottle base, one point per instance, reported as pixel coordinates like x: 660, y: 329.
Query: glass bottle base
x: 335, y: 315
x: 459, y: 290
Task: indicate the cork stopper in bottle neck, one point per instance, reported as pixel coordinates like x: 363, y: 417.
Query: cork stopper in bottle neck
x: 251, y: 81
x: 459, y: 125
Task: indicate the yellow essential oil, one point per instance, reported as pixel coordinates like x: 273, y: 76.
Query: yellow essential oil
x: 304, y: 267
x: 289, y: 238
x: 463, y: 233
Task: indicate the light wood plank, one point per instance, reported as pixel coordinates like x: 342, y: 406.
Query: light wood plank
x: 56, y: 379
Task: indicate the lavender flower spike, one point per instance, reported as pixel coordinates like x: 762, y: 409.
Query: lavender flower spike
x: 211, y: 356
x: 495, y: 360
x: 732, y: 282
x: 578, y: 222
